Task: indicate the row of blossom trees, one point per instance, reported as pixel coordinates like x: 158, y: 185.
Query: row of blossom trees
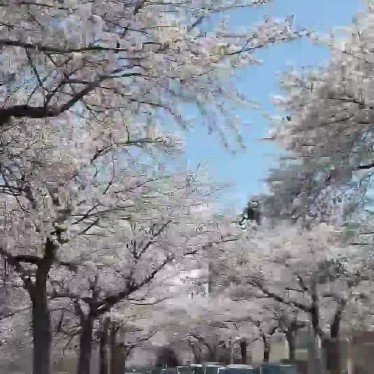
x: 92, y: 221
x: 87, y: 236
x: 278, y: 280
x: 95, y: 225
x: 310, y: 263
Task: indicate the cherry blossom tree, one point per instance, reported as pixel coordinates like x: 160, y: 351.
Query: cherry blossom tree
x: 195, y: 324
x: 307, y: 270
x: 130, y: 61
x: 123, y: 332
x: 63, y: 195
x: 325, y: 130
x: 130, y: 325
x: 211, y: 327
x: 129, y: 262
x: 86, y: 83
x: 46, y: 186
x: 264, y: 318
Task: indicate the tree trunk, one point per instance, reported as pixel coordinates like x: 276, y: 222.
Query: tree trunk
x: 41, y: 318
x: 197, y: 358
x: 118, y: 363
x: 332, y: 346
x: 104, y: 361
x: 85, y: 345
x: 243, y: 351
x: 213, y: 352
x: 41, y: 328
x: 231, y: 349
x: 112, y: 344
x: 335, y: 326
x: 314, y: 359
x: 216, y: 352
x: 117, y: 353
x: 331, y: 350
x: 291, y: 337
x: 196, y: 351
x: 266, y: 342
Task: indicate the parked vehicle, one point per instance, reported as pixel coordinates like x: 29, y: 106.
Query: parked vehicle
x: 169, y: 371
x: 212, y: 368
x: 278, y: 369
x: 190, y: 369
x: 239, y: 369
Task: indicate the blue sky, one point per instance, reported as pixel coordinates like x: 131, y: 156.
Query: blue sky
x: 247, y: 169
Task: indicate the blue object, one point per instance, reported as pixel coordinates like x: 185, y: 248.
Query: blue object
x: 239, y: 369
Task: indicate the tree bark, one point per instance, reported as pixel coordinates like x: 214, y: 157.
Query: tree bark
x: 41, y: 328
x: 243, y: 351
x: 37, y: 290
x: 213, y: 352
x: 117, y: 353
x: 332, y: 346
x: 85, y: 345
x: 112, y: 344
x: 216, y: 352
x: 118, y: 359
x: 314, y: 312
x: 197, y: 353
x: 266, y: 356
x: 231, y: 355
x: 335, y: 326
x: 104, y: 360
x: 314, y: 359
x: 291, y: 337
x: 41, y: 318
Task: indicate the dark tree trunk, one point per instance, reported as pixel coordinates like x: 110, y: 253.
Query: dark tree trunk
x: 213, y: 352
x: 118, y: 353
x: 215, y: 357
x: 314, y: 313
x: 41, y: 328
x: 118, y: 364
x: 332, y: 346
x: 41, y: 318
x: 291, y: 340
x: 231, y: 352
x: 335, y: 326
x: 104, y: 360
x: 112, y: 344
x: 197, y: 353
x: 85, y: 345
x: 266, y: 356
x: 314, y: 357
x: 37, y: 290
x: 243, y: 351
x: 198, y: 358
